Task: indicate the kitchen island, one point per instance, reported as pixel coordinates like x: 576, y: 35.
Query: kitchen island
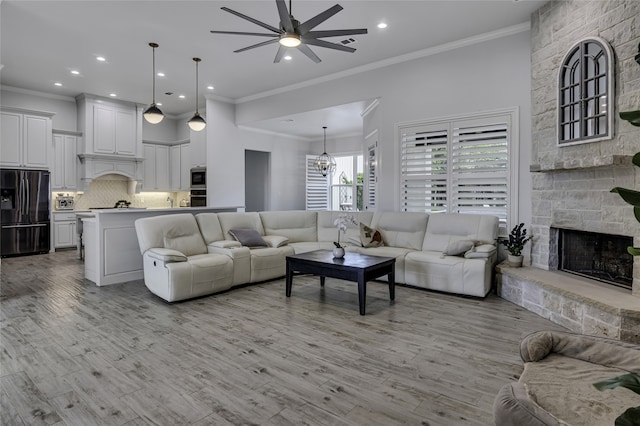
x: 111, y: 250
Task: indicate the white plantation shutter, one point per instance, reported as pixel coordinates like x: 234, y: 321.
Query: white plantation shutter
x: 461, y: 165
x: 480, y: 167
x: 317, y: 187
x: 424, y: 168
x: 371, y: 177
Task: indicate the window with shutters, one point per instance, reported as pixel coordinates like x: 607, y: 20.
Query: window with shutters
x: 372, y: 176
x: 462, y: 165
x: 317, y: 187
x: 585, y: 83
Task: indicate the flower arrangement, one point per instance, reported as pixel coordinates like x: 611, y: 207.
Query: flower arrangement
x: 342, y: 222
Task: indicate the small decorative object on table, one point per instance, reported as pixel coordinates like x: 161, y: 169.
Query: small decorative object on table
x: 517, y: 239
x: 341, y: 223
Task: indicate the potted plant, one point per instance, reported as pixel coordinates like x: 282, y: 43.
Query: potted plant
x: 515, y: 243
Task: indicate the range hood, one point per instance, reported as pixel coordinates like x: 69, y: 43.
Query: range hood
x: 93, y: 166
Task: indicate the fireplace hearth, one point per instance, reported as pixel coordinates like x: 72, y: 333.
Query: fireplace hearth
x: 598, y: 256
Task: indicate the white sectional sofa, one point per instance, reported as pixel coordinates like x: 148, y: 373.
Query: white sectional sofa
x: 187, y: 256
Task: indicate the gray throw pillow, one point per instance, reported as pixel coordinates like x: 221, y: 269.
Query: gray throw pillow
x: 248, y: 237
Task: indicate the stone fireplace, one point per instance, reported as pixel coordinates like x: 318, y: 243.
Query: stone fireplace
x: 571, y: 184
x: 594, y: 255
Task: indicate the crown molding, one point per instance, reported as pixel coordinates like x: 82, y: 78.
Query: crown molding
x: 272, y: 133
x: 36, y: 93
x: 480, y: 38
x: 373, y: 105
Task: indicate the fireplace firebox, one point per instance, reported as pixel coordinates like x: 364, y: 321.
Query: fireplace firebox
x: 602, y: 257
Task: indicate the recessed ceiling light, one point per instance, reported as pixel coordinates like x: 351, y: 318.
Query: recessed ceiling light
x: 210, y: 87
x: 382, y: 25
x: 287, y: 58
x: 101, y: 58
x: 160, y: 74
x: 113, y: 95
x: 57, y: 84
x: 75, y: 72
x: 181, y: 96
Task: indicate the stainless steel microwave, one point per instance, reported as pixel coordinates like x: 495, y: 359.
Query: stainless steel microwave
x: 199, y: 178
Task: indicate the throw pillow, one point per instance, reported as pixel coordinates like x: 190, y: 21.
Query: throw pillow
x: 456, y: 248
x: 370, y: 237
x: 248, y: 237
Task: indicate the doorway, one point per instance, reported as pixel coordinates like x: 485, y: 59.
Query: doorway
x: 257, y: 178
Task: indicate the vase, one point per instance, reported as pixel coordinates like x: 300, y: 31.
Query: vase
x: 338, y: 253
x: 515, y: 261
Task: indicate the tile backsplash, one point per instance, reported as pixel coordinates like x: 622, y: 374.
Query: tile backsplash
x: 105, y: 192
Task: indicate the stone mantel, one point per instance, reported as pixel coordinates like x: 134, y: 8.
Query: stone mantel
x: 583, y: 163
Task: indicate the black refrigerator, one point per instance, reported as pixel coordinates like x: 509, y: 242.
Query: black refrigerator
x: 24, y: 207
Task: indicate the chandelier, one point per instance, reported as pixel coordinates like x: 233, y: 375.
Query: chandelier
x: 325, y: 163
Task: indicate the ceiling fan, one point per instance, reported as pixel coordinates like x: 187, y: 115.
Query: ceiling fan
x: 292, y: 33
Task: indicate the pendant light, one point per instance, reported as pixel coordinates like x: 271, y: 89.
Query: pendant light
x: 153, y: 114
x: 325, y: 163
x: 197, y: 123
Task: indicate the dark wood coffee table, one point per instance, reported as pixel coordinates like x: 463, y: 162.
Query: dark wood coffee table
x: 353, y: 267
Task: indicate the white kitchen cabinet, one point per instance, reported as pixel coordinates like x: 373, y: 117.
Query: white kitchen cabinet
x: 157, y: 168
x: 114, y: 130
x: 64, y: 173
x: 64, y: 230
x: 25, y: 138
x: 198, y: 147
x: 180, y: 167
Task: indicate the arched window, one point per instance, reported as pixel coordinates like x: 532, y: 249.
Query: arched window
x: 585, y: 97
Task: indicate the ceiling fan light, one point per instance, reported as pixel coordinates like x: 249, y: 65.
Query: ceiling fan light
x: 290, y: 40
x: 197, y: 123
x: 153, y: 114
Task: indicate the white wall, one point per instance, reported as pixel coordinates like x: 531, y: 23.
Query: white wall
x: 226, y: 144
x: 486, y: 76
x: 65, y: 117
x: 165, y: 131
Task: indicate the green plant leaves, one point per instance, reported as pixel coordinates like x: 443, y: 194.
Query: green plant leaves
x: 629, y: 381
x: 629, y: 195
x: 632, y: 117
x: 631, y: 417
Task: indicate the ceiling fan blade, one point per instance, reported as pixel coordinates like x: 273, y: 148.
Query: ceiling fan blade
x: 253, y: 46
x: 327, y: 44
x: 309, y: 53
x: 243, y: 33
x: 285, y: 17
x: 334, y: 33
x: 307, y: 26
x: 280, y: 54
x: 250, y: 19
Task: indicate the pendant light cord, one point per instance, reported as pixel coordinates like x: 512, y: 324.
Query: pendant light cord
x: 324, y: 128
x: 197, y: 60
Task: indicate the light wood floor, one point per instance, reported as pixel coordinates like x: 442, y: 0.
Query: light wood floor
x: 76, y: 354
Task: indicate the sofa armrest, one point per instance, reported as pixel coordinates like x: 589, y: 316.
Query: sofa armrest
x: 275, y: 240
x: 483, y: 251
x: 513, y: 407
x: 225, y: 244
x: 597, y: 350
x: 166, y: 255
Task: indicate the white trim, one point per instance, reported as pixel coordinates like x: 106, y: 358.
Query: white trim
x: 213, y: 97
x: 373, y: 105
x: 36, y: 93
x: 469, y: 41
x: 66, y: 132
x: 27, y: 111
x: 272, y: 133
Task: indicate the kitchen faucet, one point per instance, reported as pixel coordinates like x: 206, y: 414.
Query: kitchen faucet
x: 169, y: 199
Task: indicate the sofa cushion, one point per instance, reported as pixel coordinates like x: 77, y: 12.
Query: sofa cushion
x: 297, y: 226
x: 458, y: 247
x: 327, y: 231
x: 370, y: 237
x: 174, y: 231
x: 444, y: 229
x: 401, y: 229
x: 209, y: 227
x: 248, y: 237
x: 239, y: 220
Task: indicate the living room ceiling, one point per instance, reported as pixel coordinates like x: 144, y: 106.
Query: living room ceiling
x: 42, y: 42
